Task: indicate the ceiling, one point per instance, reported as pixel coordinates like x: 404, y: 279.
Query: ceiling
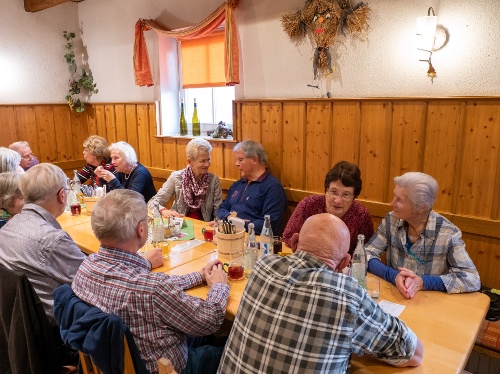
x: 37, y: 5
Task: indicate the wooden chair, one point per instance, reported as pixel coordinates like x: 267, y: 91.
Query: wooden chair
x: 88, y: 366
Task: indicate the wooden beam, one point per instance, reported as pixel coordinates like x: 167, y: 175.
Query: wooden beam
x: 37, y: 5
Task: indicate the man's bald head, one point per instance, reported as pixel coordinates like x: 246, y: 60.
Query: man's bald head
x: 326, y: 237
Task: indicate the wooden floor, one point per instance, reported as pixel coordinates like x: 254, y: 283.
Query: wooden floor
x: 483, y: 361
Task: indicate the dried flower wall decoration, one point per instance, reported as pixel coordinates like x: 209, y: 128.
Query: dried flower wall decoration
x: 322, y: 21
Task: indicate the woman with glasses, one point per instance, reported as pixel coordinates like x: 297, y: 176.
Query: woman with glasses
x: 424, y: 251
x: 197, y: 193
x: 342, y: 186
x: 95, y: 153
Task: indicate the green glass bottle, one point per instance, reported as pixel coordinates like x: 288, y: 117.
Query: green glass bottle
x: 182, y: 121
x: 196, y: 121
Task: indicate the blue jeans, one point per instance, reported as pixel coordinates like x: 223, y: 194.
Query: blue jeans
x: 202, y: 356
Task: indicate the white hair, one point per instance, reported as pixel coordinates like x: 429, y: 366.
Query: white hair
x: 197, y: 145
x: 17, y: 146
x: 126, y: 151
x: 251, y: 148
x: 117, y: 214
x: 9, y: 189
x: 422, y: 188
x: 41, y: 182
x: 9, y: 160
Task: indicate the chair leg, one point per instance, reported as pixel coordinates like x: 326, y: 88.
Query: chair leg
x: 165, y: 366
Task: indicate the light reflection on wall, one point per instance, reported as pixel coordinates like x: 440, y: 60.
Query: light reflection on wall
x: 9, y: 75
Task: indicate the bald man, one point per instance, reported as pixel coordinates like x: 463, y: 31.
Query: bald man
x: 300, y: 314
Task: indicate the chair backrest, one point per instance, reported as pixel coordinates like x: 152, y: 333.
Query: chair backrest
x: 88, y: 366
x: 27, y: 343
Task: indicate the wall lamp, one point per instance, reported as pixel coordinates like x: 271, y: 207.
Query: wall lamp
x: 430, y: 37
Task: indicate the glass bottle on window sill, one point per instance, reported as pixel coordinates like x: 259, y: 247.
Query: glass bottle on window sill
x: 182, y: 121
x: 196, y: 121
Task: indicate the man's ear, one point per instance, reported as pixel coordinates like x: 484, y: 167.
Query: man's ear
x: 294, y: 240
x: 141, y: 230
x: 343, y: 263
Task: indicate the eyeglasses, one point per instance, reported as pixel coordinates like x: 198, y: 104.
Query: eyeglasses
x: 239, y: 160
x: 28, y: 156
x: 346, y: 196
x: 63, y: 188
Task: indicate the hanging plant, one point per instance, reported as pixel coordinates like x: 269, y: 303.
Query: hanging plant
x: 78, y: 83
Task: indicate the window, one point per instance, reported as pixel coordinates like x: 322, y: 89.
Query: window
x: 198, y: 67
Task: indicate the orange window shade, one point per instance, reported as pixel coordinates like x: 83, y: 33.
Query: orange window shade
x: 203, y: 62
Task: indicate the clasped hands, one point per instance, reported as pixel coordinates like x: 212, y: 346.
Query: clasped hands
x: 213, y: 273
x: 103, y: 173
x: 408, y: 283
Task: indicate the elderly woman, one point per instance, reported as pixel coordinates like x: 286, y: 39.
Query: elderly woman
x: 95, y: 153
x: 424, y: 250
x: 131, y: 175
x: 10, y: 160
x: 342, y: 186
x: 197, y: 193
x: 11, y: 198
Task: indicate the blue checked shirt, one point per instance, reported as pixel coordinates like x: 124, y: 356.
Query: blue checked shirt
x: 153, y: 305
x: 439, y: 252
x: 298, y: 316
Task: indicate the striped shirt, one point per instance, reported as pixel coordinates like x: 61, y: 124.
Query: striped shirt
x: 298, y: 316
x: 33, y: 243
x: 439, y: 251
x: 88, y: 172
x: 153, y: 305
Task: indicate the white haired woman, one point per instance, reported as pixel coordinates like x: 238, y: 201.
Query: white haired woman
x: 197, y: 193
x: 11, y: 198
x: 131, y: 174
x: 10, y: 161
x: 424, y: 250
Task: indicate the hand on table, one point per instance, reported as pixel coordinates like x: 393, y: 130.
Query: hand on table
x: 408, y: 283
x: 103, y: 173
x: 170, y: 213
x: 155, y: 257
x: 212, y: 273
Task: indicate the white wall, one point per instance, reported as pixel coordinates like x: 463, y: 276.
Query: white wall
x: 32, y: 66
x: 271, y: 66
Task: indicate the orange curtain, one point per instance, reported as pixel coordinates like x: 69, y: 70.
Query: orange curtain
x: 142, y: 69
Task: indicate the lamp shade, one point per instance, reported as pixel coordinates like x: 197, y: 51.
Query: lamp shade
x: 426, y: 30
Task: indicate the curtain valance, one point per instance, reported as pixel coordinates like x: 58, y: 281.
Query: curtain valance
x: 142, y: 69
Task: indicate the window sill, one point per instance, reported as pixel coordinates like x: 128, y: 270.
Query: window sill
x: 209, y: 138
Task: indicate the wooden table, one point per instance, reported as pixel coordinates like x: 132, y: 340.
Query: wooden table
x: 80, y: 230
x: 446, y: 324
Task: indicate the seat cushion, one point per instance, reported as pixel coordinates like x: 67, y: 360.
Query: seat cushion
x: 489, y: 335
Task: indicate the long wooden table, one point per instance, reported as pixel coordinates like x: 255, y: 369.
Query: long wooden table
x: 446, y: 324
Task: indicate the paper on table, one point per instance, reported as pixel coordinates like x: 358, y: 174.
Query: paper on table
x: 391, y: 308
x: 187, y: 245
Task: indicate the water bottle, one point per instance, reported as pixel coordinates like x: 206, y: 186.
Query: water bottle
x: 76, y: 185
x: 359, y: 264
x: 266, y: 237
x: 251, y: 250
x: 157, y: 231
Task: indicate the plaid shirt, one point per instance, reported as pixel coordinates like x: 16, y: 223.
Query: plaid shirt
x: 153, y: 305
x: 439, y: 251
x: 298, y: 316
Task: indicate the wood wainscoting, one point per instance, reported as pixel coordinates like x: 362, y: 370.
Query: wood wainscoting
x: 456, y: 140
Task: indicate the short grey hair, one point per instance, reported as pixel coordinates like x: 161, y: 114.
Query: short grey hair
x: 117, y: 214
x: 41, y: 182
x: 126, y: 150
x: 9, y: 160
x: 16, y: 146
x: 422, y: 189
x: 9, y: 189
x: 197, y: 145
x: 251, y: 148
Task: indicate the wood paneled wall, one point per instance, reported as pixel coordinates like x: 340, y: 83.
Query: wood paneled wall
x: 456, y: 140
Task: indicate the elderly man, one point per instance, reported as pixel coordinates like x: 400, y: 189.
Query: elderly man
x: 424, y: 250
x: 257, y: 193
x: 300, y: 314
x: 154, y: 306
x: 33, y: 243
x: 28, y: 159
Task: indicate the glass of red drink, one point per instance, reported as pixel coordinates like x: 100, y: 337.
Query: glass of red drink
x: 208, y: 233
x: 76, y: 209
x: 234, y: 269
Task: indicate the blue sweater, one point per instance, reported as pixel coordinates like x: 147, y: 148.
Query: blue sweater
x: 252, y: 201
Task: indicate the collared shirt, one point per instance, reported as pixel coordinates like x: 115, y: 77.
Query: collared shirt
x: 298, y: 316
x: 173, y: 187
x: 88, y: 172
x: 439, y: 251
x: 33, y: 243
x: 153, y: 305
x: 253, y: 200
x: 357, y: 219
